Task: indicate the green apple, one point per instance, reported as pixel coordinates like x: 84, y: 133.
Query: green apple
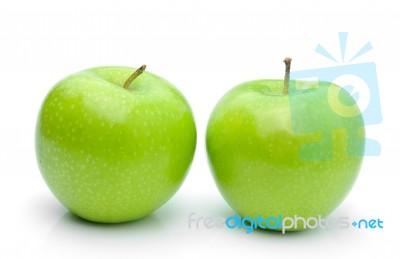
x: 113, y: 145
x: 285, y: 147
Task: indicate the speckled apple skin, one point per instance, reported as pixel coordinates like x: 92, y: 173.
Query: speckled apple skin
x: 110, y: 154
x: 254, y: 153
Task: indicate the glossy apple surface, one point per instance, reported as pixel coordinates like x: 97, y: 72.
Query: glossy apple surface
x: 285, y: 154
x: 111, y: 154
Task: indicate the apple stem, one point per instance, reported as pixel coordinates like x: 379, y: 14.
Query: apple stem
x: 287, y: 61
x: 133, y: 76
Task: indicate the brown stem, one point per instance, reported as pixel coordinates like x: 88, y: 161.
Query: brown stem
x: 287, y: 61
x: 134, y: 75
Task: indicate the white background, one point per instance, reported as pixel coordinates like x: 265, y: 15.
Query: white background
x: 205, y: 48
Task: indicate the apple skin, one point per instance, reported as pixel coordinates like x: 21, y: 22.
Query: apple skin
x: 111, y: 154
x: 256, y: 156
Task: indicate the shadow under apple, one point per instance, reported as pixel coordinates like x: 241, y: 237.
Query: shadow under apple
x: 72, y: 236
